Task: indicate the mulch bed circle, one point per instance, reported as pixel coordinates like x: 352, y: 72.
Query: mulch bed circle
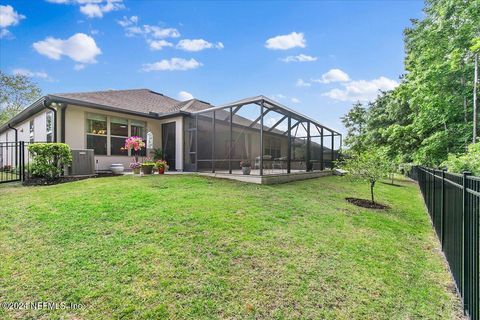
x: 364, y: 203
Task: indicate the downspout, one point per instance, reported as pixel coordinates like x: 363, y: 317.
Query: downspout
x: 16, y: 143
x: 46, y: 103
x: 62, y: 123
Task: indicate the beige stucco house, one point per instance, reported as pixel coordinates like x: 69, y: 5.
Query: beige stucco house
x: 194, y: 135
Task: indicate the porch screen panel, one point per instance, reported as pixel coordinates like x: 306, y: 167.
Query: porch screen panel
x: 246, y: 138
x: 299, y: 146
x: 327, y: 149
x: 222, y: 133
x: 275, y: 143
x: 204, y: 141
x: 190, y: 143
x: 315, y: 148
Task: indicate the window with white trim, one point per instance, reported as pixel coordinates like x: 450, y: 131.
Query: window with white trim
x: 49, y: 126
x: 106, y: 134
x: 32, y: 131
x: 118, y: 134
x: 97, y: 133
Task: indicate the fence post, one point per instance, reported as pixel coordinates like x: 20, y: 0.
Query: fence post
x: 22, y: 160
x: 465, y: 237
x: 442, y: 225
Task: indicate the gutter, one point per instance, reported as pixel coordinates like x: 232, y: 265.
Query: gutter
x: 62, y: 124
x: 16, y: 132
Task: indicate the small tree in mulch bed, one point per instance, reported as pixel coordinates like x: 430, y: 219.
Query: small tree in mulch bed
x: 367, y: 166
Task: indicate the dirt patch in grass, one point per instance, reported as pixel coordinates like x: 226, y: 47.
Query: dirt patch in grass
x: 364, y: 203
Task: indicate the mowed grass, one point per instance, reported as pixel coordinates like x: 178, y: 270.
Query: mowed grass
x: 185, y: 246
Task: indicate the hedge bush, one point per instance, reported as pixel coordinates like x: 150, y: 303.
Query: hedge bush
x: 49, y: 159
x: 469, y: 161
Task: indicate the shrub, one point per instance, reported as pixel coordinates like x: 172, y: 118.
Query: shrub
x: 470, y: 161
x: 49, y: 159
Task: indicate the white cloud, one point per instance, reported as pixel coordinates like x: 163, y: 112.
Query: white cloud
x: 184, y: 96
x: 79, y: 47
x: 91, y: 10
x: 287, y: 41
x: 126, y: 21
x: 94, y: 8
x: 160, y: 33
x: 333, y: 75
x: 302, y: 83
x: 361, y: 90
x: 299, y: 58
x: 295, y: 100
x: 159, y: 44
x: 31, y: 74
x: 151, y: 33
x: 78, y: 67
x: 197, y: 45
x: 279, y: 96
x: 8, y: 17
x: 172, y: 65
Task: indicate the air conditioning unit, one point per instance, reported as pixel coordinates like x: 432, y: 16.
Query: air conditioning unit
x: 83, y: 162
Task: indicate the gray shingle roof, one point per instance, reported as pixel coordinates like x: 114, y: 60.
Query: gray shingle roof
x: 191, y: 105
x: 138, y: 100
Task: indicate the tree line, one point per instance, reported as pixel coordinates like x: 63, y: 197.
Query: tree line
x: 429, y: 119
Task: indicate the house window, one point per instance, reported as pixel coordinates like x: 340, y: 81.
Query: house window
x: 106, y: 135
x: 32, y: 131
x: 118, y: 134
x: 49, y: 126
x: 97, y: 133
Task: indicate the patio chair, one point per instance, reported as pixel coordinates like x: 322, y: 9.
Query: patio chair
x: 266, y: 162
x: 278, y: 163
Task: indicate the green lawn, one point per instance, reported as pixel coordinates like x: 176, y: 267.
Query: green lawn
x: 186, y: 246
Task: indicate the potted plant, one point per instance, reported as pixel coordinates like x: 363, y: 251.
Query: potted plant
x: 157, y: 154
x: 246, y: 167
x: 135, y: 166
x: 136, y: 144
x: 161, y: 166
x: 147, y: 166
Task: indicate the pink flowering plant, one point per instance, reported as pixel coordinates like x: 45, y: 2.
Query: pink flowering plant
x: 134, y: 143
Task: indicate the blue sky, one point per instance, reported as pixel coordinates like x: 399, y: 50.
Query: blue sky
x: 316, y: 57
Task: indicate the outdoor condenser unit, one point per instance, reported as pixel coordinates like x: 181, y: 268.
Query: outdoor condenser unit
x: 83, y: 162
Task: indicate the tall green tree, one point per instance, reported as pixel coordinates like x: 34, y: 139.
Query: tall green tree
x: 429, y: 115
x: 16, y: 93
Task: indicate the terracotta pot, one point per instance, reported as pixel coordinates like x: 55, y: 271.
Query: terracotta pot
x: 161, y: 170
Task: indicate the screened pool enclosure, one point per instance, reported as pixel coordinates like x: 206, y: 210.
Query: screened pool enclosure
x: 272, y: 138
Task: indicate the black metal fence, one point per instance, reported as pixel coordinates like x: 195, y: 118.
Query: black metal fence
x: 453, y: 203
x: 12, y: 155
